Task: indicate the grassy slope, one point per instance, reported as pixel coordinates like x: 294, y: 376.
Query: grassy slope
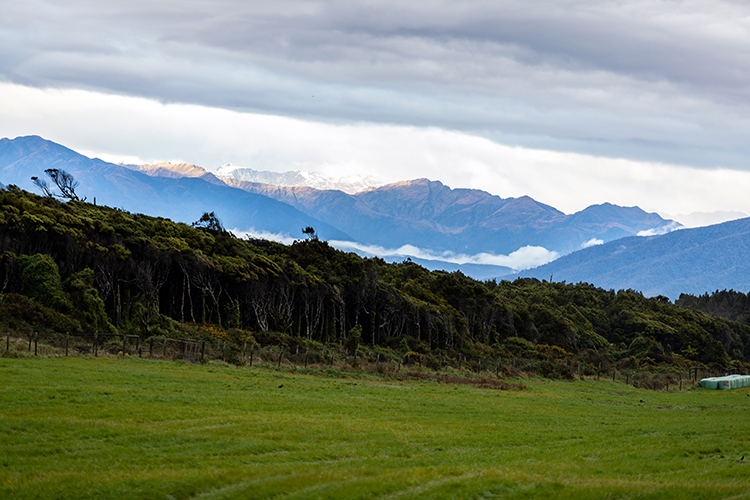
x: 130, y: 428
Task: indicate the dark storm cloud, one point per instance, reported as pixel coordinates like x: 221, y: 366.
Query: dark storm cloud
x: 665, y: 81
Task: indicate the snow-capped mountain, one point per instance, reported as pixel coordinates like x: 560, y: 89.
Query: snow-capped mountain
x: 350, y: 184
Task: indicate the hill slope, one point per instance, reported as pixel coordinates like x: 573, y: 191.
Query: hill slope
x: 687, y: 261
x: 183, y: 199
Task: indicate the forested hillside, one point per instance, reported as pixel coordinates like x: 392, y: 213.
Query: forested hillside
x: 727, y: 304
x: 78, y: 267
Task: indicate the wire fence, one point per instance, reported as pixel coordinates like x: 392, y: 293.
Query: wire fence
x: 375, y: 359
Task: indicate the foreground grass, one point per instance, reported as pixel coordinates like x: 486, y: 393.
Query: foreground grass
x: 131, y: 428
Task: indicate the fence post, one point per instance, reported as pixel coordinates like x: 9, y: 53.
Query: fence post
x: 164, y: 354
x: 7, y: 341
x: 124, y: 346
x: 67, y: 337
x: 614, y: 374
x: 599, y: 370
x: 31, y: 334
x: 203, y: 350
x: 308, y: 350
x: 244, y: 350
x: 281, y: 353
x: 680, y: 380
x: 96, y: 344
x: 36, y: 340
x: 138, y: 345
x: 224, y: 351
x: 252, y: 349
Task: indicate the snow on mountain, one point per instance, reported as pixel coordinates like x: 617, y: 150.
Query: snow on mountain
x: 350, y: 184
x: 175, y: 171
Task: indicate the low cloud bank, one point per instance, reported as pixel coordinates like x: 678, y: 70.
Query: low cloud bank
x: 592, y: 242
x: 264, y: 235
x: 658, y: 231
x: 523, y: 258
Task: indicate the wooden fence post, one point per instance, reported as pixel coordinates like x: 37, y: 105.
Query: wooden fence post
x: 244, y: 351
x: 124, y: 345
x: 31, y: 335
x: 96, y: 344
x: 252, y: 349
x: 67, y: 337
x: 680, y: 380
x: 281, y: 353
x: 224, y: 352
x: 36, y: 341
x: 614, y: 374
x: 203, y: 350
x: 7, y: 341
x: 164, y: 354
x: 599, y: 371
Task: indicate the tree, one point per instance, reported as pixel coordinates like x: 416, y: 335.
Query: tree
x: 40, y: 280
x: 209, y: 221
x: 64, y: 181
x: 43, y: 186
x: 309, y: 231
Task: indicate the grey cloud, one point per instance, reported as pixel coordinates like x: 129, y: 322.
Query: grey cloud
x: 663, y: 81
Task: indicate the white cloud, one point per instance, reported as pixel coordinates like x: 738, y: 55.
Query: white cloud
x: 264, y: 235
x: 523, y: 258
x: 126, y: 129
x: 640, y: 79
x: 701, y: 219
x: 658, y: 231
x: 592, y: 242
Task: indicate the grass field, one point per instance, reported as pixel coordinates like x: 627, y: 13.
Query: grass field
x: 132, y: 428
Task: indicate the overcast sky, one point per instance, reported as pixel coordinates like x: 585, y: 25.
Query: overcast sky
x: 572, y: 103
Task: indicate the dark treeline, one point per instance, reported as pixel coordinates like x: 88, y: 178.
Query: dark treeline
x: 78, y: 267
x: 725, y: 303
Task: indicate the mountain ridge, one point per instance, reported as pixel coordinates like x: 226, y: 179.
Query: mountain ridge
x: 459, y: 226
x: 182, y: 199
x: 694, y: 261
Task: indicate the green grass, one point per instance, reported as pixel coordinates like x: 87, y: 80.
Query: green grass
x: 131, y: 428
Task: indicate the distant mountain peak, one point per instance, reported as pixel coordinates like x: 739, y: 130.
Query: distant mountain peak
x: 175, y: 171
x: 350, y: 184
